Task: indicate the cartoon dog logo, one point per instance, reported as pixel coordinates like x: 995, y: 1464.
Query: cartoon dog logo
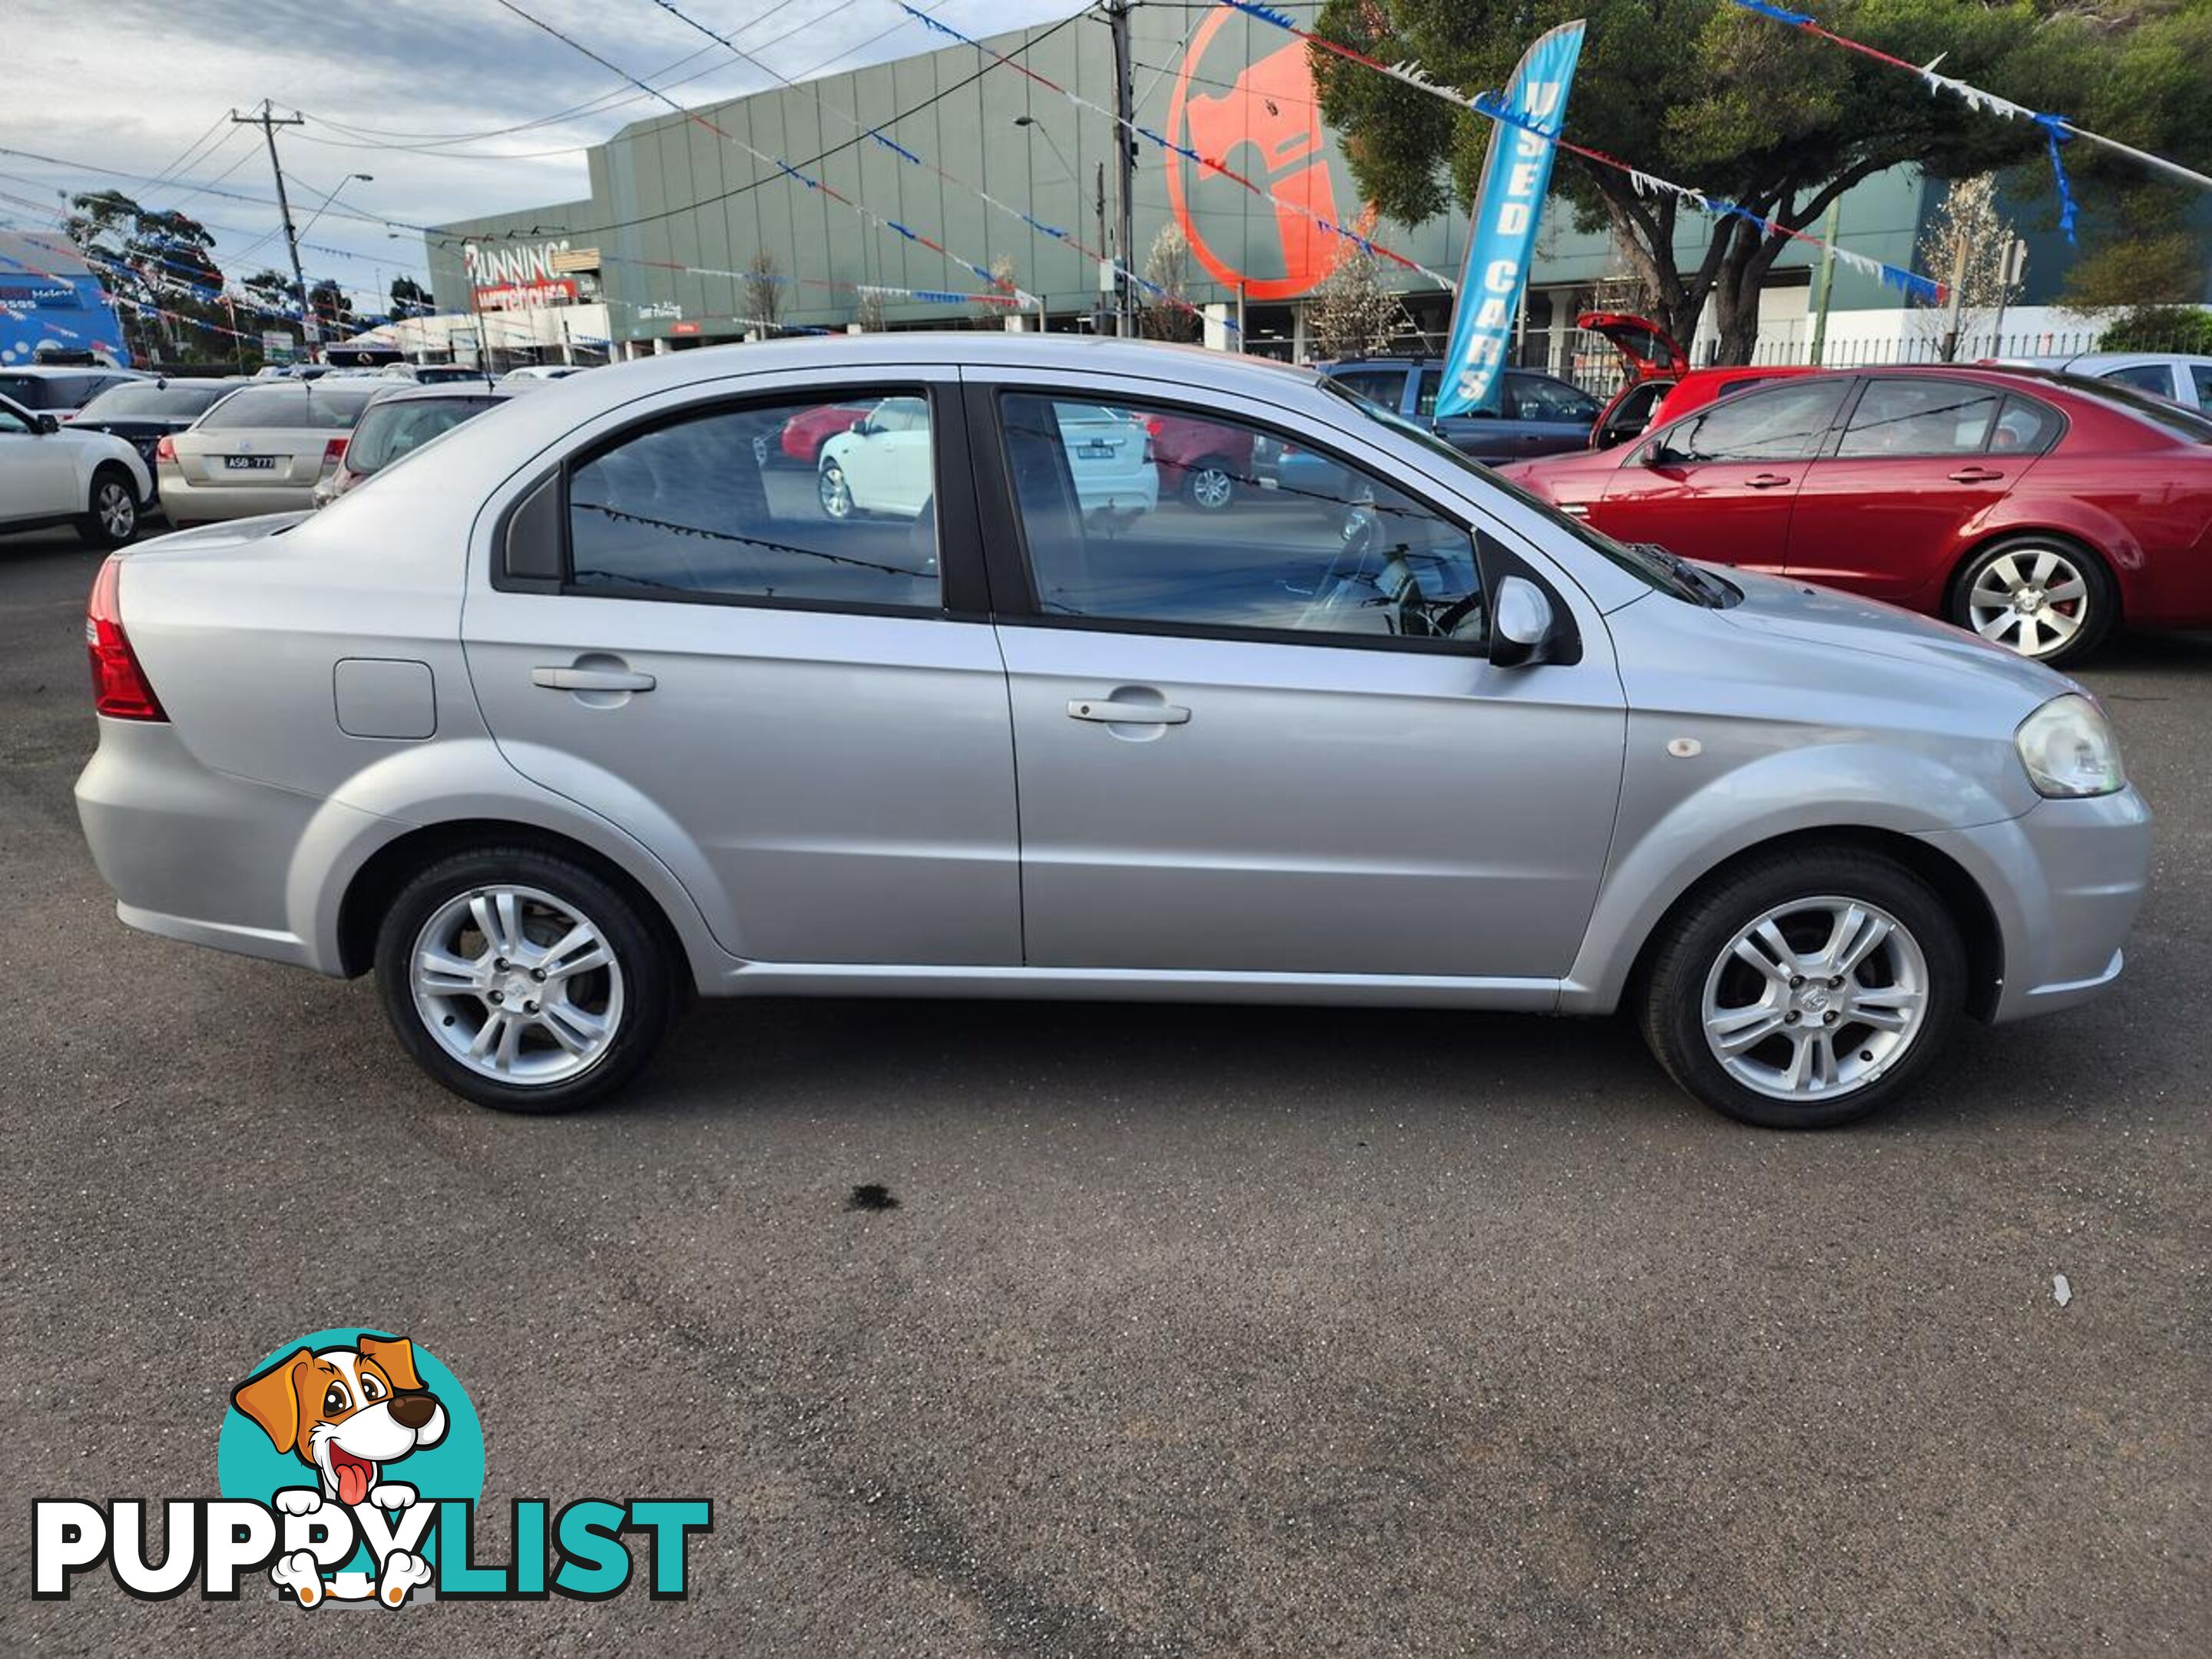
x: 348, y: 1413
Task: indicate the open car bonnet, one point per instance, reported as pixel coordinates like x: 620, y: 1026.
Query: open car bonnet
x: 1652, y: 354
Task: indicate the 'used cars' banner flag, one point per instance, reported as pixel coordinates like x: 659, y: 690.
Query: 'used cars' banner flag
x: 1515, y: 175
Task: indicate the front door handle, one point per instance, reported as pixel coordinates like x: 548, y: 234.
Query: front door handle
x: 592, y: 679
x: 1976, y: 475
x: 1767, y: 480
x: 1110, y: 713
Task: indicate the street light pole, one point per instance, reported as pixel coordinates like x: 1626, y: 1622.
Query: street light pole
x: 1124, y: 168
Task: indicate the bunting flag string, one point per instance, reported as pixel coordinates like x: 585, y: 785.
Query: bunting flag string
x: 1412, y: 74
x: 1161, y: 141
x: 2057, y: 129
x: 886, y: 142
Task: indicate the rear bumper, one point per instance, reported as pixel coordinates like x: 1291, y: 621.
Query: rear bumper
x: 191, y: 853
x: 190, y: 503
x: 2065, y: 881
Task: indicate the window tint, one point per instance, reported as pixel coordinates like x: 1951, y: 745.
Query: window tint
x: 390, y: 430
x: 1920, y: 417
x: 2201, y: 373
x: 1385, y: 385
x: 1781, y: 423
x: 2144, y: 377
x: 1322, y: 547
x: 1539, y: 398
x: 32, y: 391
x: 320, y: 409
x: 694, y: 509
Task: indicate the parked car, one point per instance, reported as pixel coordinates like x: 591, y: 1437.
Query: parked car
x: 880, y: 463
x: 1542, y: 414
x: 263, y: 449
x: 292, y: 371
x: 2179, y: 375
x: 60, y: 392
x: 400, y: 420
x: 1660, y: 384
x: 52, y: 474
x: 572, y: 714
x: 1208, y: 464
x: 143, y: 412
x: 2037, y: 509
x: 544, y: 372
x: 803, y: 434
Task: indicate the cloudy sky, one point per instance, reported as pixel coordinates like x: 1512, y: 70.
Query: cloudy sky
x: 454, y: 107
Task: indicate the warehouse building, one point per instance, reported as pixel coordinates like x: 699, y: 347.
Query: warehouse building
x: 710, y: 226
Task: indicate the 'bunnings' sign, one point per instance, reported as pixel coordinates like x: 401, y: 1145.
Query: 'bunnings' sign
x: 506, y: 275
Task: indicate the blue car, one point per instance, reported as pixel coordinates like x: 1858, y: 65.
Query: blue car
x: 1542, y: 414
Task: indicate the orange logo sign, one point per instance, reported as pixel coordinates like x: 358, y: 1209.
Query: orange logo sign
x: 1271, y: 111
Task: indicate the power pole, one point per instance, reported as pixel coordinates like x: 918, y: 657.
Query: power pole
x: 1125, y: 166
x: 1106, y: 267
x: 269, y: 121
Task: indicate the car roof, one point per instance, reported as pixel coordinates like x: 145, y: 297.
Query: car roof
x: 43, y: 370
x: 411, y: 392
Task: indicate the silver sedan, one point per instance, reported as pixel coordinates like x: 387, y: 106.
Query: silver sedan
x: 584, y: 708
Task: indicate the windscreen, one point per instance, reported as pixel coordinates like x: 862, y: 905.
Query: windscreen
x: 142, y: 399
x: 404, y: 425
x: 320, y: 409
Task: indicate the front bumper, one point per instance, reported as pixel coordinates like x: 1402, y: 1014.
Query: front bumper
x: 2065, y: 880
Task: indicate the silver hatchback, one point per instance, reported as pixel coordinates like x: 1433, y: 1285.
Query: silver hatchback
x: 585, y: 708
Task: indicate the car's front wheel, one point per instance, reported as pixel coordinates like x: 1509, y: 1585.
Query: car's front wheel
x: 1804, y: 988
x: 523, y: 981
x: 2040, y: 595
x: 111, y: 517
x: 1209, y: 485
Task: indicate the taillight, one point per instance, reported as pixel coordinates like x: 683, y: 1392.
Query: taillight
x: 333, y: 452
x: 120, y: 690
x: 167, y: 449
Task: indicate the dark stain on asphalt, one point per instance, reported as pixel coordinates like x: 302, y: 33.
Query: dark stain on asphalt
x: 872, y: 1196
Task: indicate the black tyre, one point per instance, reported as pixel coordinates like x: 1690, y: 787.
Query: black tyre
x: 523, y: 981
x: 111, y: 517
x: 833, y: 493
x: 1805, y: 988
x: 2043, y: 596
x: 1210, y: 485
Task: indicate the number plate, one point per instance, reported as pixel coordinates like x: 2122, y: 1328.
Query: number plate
x: 249, y: 463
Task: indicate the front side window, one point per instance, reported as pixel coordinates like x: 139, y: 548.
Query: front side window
x: 1322, y: 547
x: 1538, y: 398
x: 2201, y: 376
x: 13, y: 423
x: 1785, y: 423
x: 1920, y: 417
x: 693, y: 508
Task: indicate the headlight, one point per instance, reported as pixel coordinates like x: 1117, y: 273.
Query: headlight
x: 2069, y: 749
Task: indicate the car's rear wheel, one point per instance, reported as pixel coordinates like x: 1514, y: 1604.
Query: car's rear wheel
x: 835, y: 493
x: 1209, y: 485
x: 1805, y: 988
x: 522, y: 980
x: 2043, y: 596
x: 111, y: 517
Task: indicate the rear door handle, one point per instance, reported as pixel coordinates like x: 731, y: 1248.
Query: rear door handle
x: 592, y: 679
x: 1767, y: 480
x: 1110, y: 713
x: 1976, y: 475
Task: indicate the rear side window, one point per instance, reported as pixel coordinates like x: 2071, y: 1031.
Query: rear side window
x: 1777, y: 423
x: 402, y: 426
x: 2144, y: 377
x: 1921, y: 417
x: 1535, y: 397
x: 708, y: 507
x: 262, y: 408
x: 1383, y: 386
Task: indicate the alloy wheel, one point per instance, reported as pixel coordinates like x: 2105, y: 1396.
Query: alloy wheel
x: 2033, y: 599
x: 837, y: 495
x: 117, y: 511
x: 1211, y: 488
x: 517, y: 984
x: 1815, y: 999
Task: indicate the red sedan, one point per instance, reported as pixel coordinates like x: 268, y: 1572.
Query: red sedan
x: 804, y: 433
x: 2037, y: 509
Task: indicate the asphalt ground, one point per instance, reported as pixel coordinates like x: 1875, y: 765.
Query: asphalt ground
x: 1194, y: 1330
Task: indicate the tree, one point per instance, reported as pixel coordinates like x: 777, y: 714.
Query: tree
x: 868, y: 311
x: 985, y: 314
x: 1708, y: 95
x: 1969, y: 235
x: 333, y: 308
x: 2160, y: 328
x: 411, y: 299
x: 763, y: 292
x: 1352, y: 314
x: 1166, y: 314
x: 158, y: 267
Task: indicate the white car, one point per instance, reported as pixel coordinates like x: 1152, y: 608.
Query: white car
x: 544, y: 372
x: 49, y: 475
x: 882, y: 463
x: 2175, y: 375
x: 60, y: 389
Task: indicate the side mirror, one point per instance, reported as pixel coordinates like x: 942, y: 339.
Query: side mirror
x: 1522, y: 623
x: 48, y: 426
x: 861, y: 428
